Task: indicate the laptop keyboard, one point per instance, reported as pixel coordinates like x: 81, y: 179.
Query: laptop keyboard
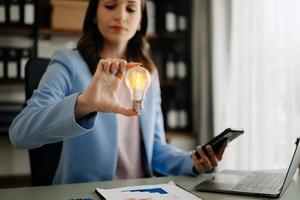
x: 269, y: 183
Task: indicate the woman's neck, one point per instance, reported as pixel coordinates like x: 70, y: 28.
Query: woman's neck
x: 112, y: 50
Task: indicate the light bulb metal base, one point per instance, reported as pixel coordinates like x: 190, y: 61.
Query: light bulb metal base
x: 138, y: 105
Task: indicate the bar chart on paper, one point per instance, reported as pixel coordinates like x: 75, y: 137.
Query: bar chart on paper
x: 168, y: 191
x: 150, y: 193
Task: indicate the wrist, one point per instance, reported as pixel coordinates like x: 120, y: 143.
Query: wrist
x: 195, y: 170
x: 83, y: 107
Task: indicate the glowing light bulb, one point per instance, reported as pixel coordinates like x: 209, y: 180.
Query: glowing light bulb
x: 137, y: 80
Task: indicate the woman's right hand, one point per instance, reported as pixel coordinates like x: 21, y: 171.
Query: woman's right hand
x: 207, y: 162
x: 100, y: 95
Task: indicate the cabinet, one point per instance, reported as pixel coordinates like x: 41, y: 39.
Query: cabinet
x: 18, y: 42
x: 171, y: 51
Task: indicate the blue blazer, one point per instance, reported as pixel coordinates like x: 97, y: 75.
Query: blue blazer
x: 89, y: 150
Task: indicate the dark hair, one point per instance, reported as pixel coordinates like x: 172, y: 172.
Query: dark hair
x: 91, y: 41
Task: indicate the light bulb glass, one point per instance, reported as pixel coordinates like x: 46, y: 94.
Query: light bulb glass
x: 137, y: 80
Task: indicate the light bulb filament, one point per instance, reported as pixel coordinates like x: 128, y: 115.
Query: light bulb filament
x: 137, y: 80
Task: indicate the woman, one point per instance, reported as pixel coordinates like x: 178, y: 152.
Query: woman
x: 77, y: 102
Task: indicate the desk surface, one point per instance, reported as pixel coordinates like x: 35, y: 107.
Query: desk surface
x: 86, y: 190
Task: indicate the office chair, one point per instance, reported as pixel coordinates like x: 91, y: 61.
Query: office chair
x: 43, y: 160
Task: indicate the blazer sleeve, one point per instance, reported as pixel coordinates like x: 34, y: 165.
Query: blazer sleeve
x: 49, y: 115
x: 167, y: 159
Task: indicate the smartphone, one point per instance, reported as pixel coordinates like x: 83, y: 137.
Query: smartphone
x: 217, y: 142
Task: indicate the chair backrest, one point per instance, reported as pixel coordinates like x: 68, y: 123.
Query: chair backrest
x: 43, y: 160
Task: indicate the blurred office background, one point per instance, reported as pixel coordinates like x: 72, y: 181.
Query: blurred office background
x: 222, y: 63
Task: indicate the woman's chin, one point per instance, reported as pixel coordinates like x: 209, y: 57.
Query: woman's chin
x: 118, y: 39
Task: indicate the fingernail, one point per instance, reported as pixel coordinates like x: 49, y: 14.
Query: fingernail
x: 123, y: 70
x: 106, y: 68
x: 114, y: 71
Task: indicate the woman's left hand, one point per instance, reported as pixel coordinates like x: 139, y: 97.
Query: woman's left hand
x: 206, y: 162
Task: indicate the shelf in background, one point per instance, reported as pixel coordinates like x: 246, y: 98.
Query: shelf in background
x: 172, y: 83
x: 21, y: 31
x: 12, y: 181
x: 171, y: 134
x: 12, y: 81
x: 8, y: 111
x: 169, y: 83
x: 15, y: 42
x: 47, y: 32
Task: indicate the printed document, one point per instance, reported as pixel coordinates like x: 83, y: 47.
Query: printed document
x: 169, y: 191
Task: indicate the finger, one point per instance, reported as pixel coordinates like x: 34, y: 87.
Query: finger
x: 198, y: 148
x: 198, y: 164
x: 200, y: 168
x: 127, y: 111
x: 132, y: 64
x: 206, y: 161
x: 121, y: 60
x: 221, y: 151
x: 103, y: 66
x: 122, y: 68
x: 113, y: 65
x: 114, y: 68
x: 196, y: 160
x: 212, y: 157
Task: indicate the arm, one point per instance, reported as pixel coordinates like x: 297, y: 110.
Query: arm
x: 167, y: 159
x: 63, y: 106
x: 171, y: 161
x: 49, y: 115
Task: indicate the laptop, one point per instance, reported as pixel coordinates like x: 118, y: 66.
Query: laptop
x: 271, y: 183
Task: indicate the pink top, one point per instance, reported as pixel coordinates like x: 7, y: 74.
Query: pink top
x: 129, y: 164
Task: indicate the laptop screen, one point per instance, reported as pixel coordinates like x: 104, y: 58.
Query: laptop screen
x: 293, y: 167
